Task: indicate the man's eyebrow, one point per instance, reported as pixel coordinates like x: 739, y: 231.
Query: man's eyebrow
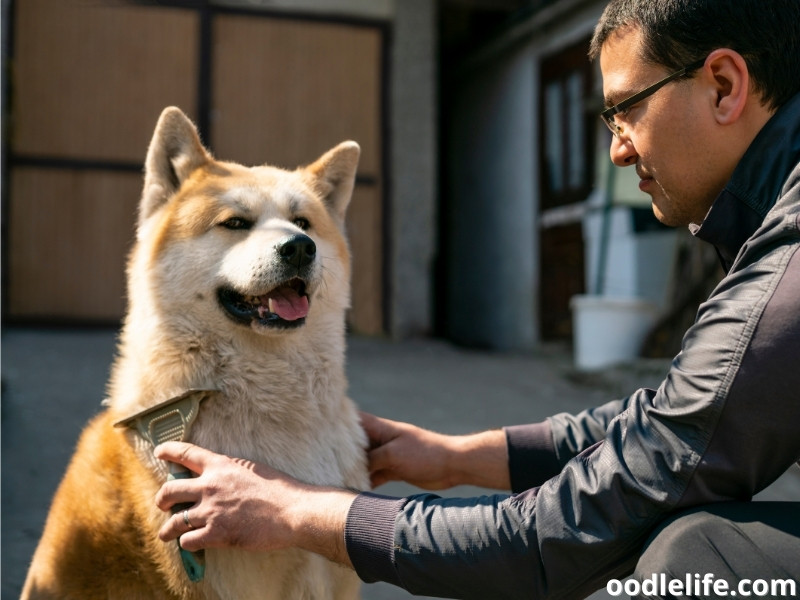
x: 616, y: 96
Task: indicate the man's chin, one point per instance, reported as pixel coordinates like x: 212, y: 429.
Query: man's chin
x: 665, y: 217
x: 679, y: 210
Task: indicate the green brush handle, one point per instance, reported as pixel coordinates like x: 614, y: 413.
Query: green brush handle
x: 167, y: 421
x: 193, y: 562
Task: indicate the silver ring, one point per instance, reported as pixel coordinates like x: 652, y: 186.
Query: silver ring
x: 186, y: 519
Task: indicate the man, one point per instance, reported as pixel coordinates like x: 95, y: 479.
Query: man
x: 703, y: 100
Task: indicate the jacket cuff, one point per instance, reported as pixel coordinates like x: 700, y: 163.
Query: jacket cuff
x: 369, y: 536
x: 532, y: 456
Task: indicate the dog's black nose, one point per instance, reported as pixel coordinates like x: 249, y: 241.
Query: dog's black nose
x: 298, y: 250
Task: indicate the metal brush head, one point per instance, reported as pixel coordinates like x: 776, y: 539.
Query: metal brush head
x: 168, y: 421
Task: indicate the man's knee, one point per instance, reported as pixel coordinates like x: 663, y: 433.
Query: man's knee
x: 679, y: 546
x: 731, y: 541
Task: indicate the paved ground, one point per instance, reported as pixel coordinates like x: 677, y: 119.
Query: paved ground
x: 53, y: 381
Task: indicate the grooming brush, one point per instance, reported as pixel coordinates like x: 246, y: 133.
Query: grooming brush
x: 170, y: 421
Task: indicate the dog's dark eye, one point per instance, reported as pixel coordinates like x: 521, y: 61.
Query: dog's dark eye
x: 236, y: 223
x: 302, y: 223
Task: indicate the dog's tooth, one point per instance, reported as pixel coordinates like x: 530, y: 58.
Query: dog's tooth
x: 269, y: 305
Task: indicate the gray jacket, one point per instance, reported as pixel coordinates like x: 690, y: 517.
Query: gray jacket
x: 723, y: 425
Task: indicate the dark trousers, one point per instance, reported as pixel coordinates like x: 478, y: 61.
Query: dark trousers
x: 732, y: 544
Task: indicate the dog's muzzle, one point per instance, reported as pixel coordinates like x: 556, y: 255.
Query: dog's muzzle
x: 285, y: 306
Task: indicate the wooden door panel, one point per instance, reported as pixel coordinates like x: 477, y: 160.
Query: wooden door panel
x: 286, y: 91
x: 69, y: 241
x: 88, y: 83
x: 90, y: 79
x: 562, y: 276
x: 364, y: 228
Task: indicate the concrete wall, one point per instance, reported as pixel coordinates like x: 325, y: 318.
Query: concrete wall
x: 490, y: 219
x: 414, y: 166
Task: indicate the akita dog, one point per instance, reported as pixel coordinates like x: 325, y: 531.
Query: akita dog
x: 238, y: 282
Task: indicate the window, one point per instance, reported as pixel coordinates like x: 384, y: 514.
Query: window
x: 567, y: 133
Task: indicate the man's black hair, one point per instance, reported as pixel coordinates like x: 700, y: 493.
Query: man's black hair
x: 678, y: 32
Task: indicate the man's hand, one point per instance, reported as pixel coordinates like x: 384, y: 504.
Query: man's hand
x: 241, y: 504
x: 433, y: 461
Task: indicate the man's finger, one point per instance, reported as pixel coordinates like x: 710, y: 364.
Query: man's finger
x: 378, y: 478
x: 190, y: 456
x: 193, y: 540
x: 378, y: 430
x: 379, y: 458
x: 175, y: 527
x: 370, y: 424
x: 177, y: 491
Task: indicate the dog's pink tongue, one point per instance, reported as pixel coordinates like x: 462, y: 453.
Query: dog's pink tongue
x: 288, y: 304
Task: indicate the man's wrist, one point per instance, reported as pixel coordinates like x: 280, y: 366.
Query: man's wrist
x: 317, y: 518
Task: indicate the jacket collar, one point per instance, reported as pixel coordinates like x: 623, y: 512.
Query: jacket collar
x: 755, y: 185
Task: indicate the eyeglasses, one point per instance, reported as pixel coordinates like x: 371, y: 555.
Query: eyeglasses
x: 608, y: 114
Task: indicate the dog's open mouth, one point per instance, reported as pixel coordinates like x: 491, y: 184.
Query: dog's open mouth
x: 285, y: 306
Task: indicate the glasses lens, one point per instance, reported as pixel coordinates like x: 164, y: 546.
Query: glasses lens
x: 611, y: 124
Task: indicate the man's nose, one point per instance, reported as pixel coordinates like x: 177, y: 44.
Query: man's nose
x: 623, y: 154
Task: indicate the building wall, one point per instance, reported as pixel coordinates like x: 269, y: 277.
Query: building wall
x: 490, y: 219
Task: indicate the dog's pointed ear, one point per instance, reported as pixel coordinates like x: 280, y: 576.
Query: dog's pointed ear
x: 335, y: 176
x: 174, y: 153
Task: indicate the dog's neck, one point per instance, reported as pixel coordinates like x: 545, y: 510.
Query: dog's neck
x: 155, y: 362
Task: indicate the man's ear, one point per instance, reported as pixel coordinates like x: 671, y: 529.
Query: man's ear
x: 174, y: 153
x: 729, y: 76
x: 334, y: 177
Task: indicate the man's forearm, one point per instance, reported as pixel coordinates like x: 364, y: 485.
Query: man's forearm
x: 481, y: 459
x: 434, y: 461
x: 318, y: 515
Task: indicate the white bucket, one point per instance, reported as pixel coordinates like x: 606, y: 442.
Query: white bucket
x: 609, y: 330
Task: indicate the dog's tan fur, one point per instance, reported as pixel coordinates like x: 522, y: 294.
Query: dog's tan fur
x: 282, y: 391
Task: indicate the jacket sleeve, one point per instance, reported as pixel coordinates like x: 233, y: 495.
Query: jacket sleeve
x: 722, y: 426
x: 539, y: 451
